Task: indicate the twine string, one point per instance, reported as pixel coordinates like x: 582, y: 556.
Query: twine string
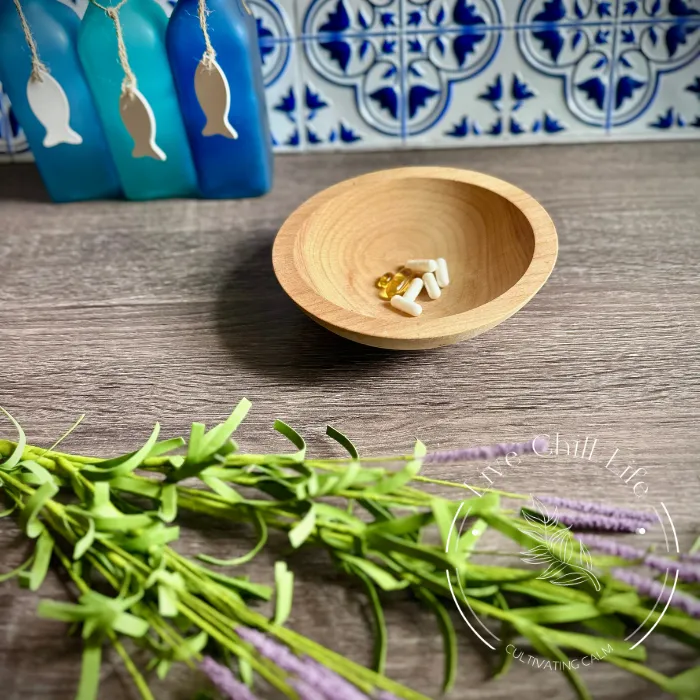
x: 38, y: 66
x: 129, y: 82
x: 209, y: 53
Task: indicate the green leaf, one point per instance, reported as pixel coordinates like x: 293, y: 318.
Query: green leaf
x: 558, y: 614
x: 215, y: 439
x: 543, y: 644
x: 167, y: 601
x: 165, y: 446
x: 11, y: 574
x: 295, y: 438
x: 220, y: 488
x: 426, y: 553
x: 245, y: 671
x: 380, y: 576
x: 28, y: 519
x: 137, y: 485
x: 594, y: 646
x: 13, y: 460
x: 303, y: 529
x: 468, y: 540
x: 347, y: 478
x: 194, y: 445
x: 257, y: 590
x: 261, y: 527
x: 121, y: 466
x: 342, y: 440
x: 400, y: 526
x: 168, y: 503
x: 42, y: 557
x: 393, y: 483
x: 449, y: 637
x: 686, y: 685
x: 284, y: 584
x: 39, y: 475
x: 444, y: 513
x: 9, y: 511
x: 90, y: 670
x: 85, y: 542
x: 380, y: 632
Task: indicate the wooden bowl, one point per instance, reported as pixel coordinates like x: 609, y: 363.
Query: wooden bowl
x: 499, y: 243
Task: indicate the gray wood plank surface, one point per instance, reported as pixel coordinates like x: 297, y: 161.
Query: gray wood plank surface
x: 137, y: 312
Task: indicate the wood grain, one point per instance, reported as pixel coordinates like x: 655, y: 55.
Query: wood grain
x: 136, y: 312
x: 500, y: 242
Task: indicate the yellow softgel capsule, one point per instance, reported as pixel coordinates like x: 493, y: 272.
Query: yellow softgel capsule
x: 398, y: 285
x: 384, y: 280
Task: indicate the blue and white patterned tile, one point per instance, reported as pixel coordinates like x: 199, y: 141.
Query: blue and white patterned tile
x: 452, y: 15
x: 563, y: 12
x: 276, y: 19
x: 435, y: 65
x: 352, y: 92
x: 282, y: 93
x: 318, y: 17
x: 13, y: 142
x: 512, y: 100
x: 655, y: 10
x: 657, y: 80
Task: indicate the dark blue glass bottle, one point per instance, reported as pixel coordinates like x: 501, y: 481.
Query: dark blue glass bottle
x: 227, y: 167
x: 61, y: 125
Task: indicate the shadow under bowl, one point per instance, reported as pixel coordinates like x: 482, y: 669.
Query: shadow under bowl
x: 499, y: 243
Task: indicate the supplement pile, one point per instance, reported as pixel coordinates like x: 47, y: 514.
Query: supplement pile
x: 402, y: 288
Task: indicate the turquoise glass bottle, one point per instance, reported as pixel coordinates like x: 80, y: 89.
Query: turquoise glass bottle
x: 61, y: 124
x: 154, y: 160
x: 227, y: 167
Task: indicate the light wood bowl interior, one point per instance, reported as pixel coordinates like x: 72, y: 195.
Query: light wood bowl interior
x: 499, y: 243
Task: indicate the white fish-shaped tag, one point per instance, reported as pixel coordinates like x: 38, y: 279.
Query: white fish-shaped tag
x: 50, y: 106
x: 140, y: 122
x: 214, y: 95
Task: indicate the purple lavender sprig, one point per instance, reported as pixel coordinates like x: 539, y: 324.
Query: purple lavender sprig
x: 224, y: 681
x: 598, y: 508
x: 486, y: 452
x: 313, y: 675
x: 612, y: 547
x: 653, y: 589
x: 686, y: 572
x: 694, y: 557
x: 598, y: 523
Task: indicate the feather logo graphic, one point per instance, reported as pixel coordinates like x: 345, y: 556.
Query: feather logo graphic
x: 567, y: 564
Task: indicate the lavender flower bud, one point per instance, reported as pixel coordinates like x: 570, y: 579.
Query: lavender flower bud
x: 278, y: 653
x: 224, y: 681
x: 314, y: 675
x: 334, y: 687
x: 612, y: 547
x: 686, y: 573
x: 695, y: 557
x: 653, y: 589
x: 598, y: 508
x: 306, y: 692
x: 601, y: 523
x: 487, y: 452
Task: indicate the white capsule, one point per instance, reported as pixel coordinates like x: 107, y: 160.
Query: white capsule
x: 408, y: 307
x: 431, y: 285
x: 422, y: 265
x: 413, y: 290
x: 443, y: 277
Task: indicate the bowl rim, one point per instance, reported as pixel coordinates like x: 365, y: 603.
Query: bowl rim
x: 289, y: 269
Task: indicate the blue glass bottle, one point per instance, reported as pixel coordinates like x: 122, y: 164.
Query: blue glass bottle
x: 226, y: 167
x: 80, y: 167
x: 143, y: 25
